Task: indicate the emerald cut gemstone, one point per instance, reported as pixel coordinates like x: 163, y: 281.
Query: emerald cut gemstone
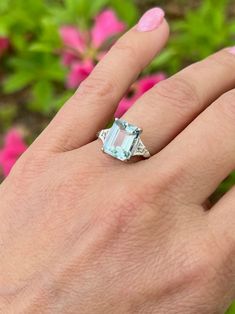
x: 122, y: 140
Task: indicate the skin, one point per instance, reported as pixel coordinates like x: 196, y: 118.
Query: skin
x: 81, y: 232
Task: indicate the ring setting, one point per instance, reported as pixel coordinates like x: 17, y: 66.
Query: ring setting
x: 122, y: 141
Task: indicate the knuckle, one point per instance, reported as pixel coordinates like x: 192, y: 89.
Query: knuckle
x: 170, y: 178
x: 191, y: 265
x: 128, y: 51
x: 222, y: 59
x: 226, y: 104
x: 125, y: 48
x: 27, y: 171
x: 212, y: 262
x: 179, y: 92
x: 225, y: 248
x: 125, y: 208
x: 98, y: 86
x: 199, y: 263
x: 29, y: 164
x: 129, y: 206
x: 202, y: 275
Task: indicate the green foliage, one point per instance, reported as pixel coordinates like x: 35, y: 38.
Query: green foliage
x: 7, y: 114
x: 34, y: 62
x: 126, y: 10
x: 202, y: 32
x: 231, y: 310
x: 29, y: 66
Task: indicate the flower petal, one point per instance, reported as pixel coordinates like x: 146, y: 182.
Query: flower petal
x: 72, y: 38
x: 147, y: 82
x: 4, y: 44
x: 138, y: 89
x: 14, y: 147
x: 106, y: 25
x: 123, y: 106
x: 79, y: 71
x: 68, y: 58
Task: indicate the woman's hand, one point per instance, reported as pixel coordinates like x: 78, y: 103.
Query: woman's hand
x: 81, y: 232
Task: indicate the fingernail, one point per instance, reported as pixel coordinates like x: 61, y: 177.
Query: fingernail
x: 231, y: 50
x: 151, y: 20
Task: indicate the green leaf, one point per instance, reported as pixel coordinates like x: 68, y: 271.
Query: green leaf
x: 193, y: 40
x: 97, y: 6
x: 61, y: 99
x: 161, y: 60
x: 127, y: 10
x: 231, y: 309
x: 79, y: 7
x: 42, y: 96
x: 17, y: 81
x: 4, y: 5
x: 41, y: 47
x: 7, y: 114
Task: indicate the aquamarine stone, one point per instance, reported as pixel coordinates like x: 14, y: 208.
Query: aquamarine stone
x: 121, y: 140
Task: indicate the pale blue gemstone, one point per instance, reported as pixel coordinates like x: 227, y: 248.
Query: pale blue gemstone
x: 121, y: 140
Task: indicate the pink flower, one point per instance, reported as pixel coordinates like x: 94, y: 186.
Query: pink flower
x: 83, y: 49
x: 14, y: 146
x: 149, y: 81
x: 106, y: 26
x: 138, y: 89
x: 4, y: 44
x: 72, y: 38
x: 79, y: 71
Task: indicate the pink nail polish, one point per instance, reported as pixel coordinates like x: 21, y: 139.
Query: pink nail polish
x: 151, y: 20
x: 231, y: 50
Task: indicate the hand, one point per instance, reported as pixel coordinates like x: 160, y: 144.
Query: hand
x: 82, y: 232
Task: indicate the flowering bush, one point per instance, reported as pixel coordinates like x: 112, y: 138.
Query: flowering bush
x: 83, y: 49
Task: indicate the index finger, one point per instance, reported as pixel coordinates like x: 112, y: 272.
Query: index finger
x: 93, y: 105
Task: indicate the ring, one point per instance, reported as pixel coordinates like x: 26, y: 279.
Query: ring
x: 122, y: 141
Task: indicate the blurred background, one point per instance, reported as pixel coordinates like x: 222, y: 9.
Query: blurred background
x: 47, y: 47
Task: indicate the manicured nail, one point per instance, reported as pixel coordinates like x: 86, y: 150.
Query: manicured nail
x: 151, y: 20
x: 231, y: 50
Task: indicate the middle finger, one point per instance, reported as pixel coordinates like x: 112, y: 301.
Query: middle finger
x: 172, y: 104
